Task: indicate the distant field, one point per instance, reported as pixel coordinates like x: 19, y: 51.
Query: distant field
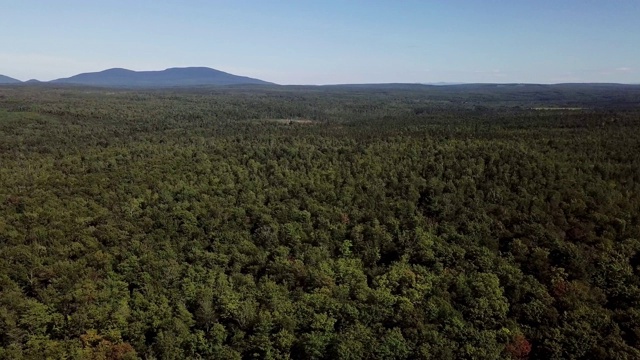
x: 289, y: 121
x: 558, y: 108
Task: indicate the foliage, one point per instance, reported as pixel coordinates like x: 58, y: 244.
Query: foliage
x: 397, y: 224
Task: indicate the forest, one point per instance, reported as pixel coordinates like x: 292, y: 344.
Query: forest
x: 341, y: 222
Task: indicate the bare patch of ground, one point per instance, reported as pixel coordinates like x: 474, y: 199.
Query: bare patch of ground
x: 557, y: 108
x: 289, y: 121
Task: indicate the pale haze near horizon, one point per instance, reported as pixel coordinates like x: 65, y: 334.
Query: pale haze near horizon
x: 329, y: 42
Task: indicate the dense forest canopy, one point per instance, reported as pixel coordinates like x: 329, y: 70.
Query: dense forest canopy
x: 389, y: 222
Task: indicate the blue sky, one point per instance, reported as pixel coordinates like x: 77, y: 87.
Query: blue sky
x: 324, y: 42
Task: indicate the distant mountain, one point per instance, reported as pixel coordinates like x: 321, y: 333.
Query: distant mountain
x: 189, y: 76
x: 379, y: 86
x: 444, y: 83
x: 8, y: 80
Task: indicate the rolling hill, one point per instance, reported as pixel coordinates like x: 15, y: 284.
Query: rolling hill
x: 8, y: 80
x: 189, y: 76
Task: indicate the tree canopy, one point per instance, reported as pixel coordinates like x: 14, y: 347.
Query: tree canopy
x: 319, y: 223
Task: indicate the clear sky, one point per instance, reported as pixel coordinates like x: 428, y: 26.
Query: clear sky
x: 329, y: 41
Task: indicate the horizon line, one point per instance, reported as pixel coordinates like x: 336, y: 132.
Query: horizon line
x: 430, y: 83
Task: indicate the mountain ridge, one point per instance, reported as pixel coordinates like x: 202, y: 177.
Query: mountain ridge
x: 205, y: 76
x: 8, y: 80
x: 175, y: 76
